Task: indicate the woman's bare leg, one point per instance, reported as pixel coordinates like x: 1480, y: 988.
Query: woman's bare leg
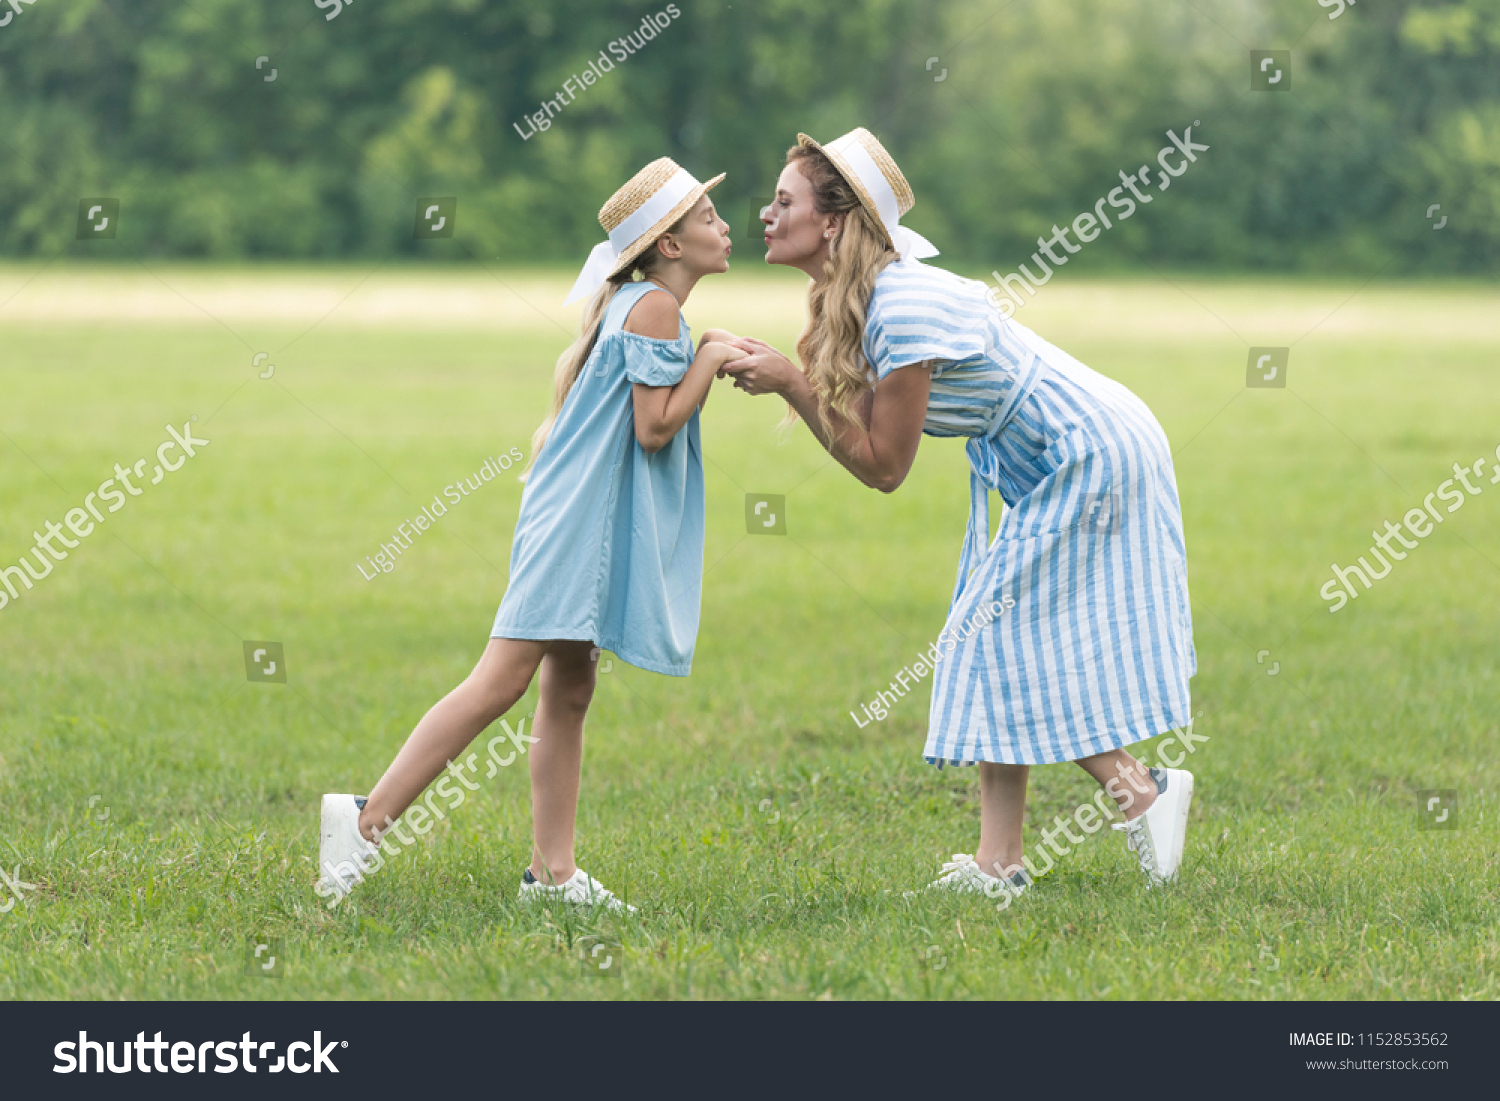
x: 556, y: 760
x: 500, y: 678
x: 1002, y: 811
x: 1134, y: 791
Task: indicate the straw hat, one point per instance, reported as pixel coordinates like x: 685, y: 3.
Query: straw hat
x: 635, y: 216
x: 882, y: 189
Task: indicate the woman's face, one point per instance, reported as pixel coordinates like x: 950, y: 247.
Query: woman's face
x: 703, y: 239
x: 794, y: 228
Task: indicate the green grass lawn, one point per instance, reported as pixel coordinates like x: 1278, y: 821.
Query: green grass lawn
x: 766, y: 839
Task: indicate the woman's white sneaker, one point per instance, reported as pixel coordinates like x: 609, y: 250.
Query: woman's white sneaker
x: 343, y: 852
x: 963, y: 875
x: 580, y: 889
x: 1158, y: 835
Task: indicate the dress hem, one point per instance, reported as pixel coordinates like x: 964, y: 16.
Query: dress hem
x: 1059, y: 758
x: 629, y: 659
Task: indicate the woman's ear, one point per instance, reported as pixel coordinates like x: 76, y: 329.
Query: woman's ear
x: 833, y: 225
x: 669, y: 247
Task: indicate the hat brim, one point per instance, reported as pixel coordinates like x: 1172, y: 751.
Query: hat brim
x: 847, y: 171
x: 647, y: 239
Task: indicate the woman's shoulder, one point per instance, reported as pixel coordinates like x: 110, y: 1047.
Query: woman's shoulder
x: 919, y: 313
x: 913, y: 290
x: 910, y: 286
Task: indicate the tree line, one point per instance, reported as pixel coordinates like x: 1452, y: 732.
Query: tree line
x: 311, y: 128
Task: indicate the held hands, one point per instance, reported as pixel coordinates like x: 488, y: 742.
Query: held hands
x: 760, y: 369
x: 723, y: 351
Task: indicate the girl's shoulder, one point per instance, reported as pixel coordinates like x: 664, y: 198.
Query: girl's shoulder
x: 651, y: 360
x: 661, y: 309
x: 625, y: 300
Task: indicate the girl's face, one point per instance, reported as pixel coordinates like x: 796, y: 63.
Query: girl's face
x: 702, y: 241
x: 795, y: 231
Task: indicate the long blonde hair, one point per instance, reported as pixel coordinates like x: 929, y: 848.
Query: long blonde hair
x: 570, y: 363
x: 831, y: 347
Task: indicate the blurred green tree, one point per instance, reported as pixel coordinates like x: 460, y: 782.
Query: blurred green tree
x: 1007, y: 115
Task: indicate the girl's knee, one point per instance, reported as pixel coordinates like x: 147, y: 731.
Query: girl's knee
x: 568, y: 677
x: 498, y: 690
x: 573, y: 689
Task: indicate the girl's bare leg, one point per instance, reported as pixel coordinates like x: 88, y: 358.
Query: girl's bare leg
x: 500, y: 678
x: 1134, y: 791
x: 1002, y: 810
x: 567, y: 686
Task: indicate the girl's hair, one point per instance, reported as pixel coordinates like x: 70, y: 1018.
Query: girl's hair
x: 571, y: 362
x: 831, y: 346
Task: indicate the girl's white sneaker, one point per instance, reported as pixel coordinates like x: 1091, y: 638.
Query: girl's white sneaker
x: 580, y: 889
x: 1158, y: 835
x: 343, y: 852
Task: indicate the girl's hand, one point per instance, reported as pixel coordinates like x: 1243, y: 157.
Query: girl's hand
x: 725, y: 351
x: 716, y: 336
x: 763, y: 370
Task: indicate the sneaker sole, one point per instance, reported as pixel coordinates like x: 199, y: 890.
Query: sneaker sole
x: 1179, y: 824
x: 526, y: 897
x: 333, y: 820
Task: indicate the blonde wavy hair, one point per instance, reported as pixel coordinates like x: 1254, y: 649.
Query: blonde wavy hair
x: 570, y: 363
x: 830, y: 347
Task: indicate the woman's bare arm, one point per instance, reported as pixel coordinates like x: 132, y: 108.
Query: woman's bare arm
x: 879, y: 444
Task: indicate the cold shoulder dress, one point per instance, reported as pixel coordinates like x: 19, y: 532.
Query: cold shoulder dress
x: 609, y: 542
x: 1097, y: 650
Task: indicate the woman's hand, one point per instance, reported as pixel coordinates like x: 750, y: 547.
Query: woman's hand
x: 763, y: 370
x: 726, y: 351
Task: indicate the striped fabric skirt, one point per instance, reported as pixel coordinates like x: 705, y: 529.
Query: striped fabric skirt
x: 1094, y: 648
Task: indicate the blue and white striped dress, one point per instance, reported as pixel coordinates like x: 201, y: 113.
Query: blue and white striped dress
x: 1097, y: 650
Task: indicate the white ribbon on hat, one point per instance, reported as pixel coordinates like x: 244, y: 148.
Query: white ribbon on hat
x: 908, y: 242
x: 606, y: 254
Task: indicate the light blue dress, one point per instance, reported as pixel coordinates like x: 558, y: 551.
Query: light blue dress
x: 1071, y: 633
x: 609, y: 542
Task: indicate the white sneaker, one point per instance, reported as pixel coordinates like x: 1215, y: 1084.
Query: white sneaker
x: 580, y: 888
x: 1158, y: 835
x: 963, y: 875
x: 343, y: 853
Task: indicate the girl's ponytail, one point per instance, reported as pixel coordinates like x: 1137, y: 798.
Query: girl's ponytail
x: 570, y: 363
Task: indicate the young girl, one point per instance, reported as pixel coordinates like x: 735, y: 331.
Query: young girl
x: 1095, y: 648
x: 608, y: 551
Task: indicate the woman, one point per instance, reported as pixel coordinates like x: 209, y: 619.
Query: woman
x: 1096, y: 651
